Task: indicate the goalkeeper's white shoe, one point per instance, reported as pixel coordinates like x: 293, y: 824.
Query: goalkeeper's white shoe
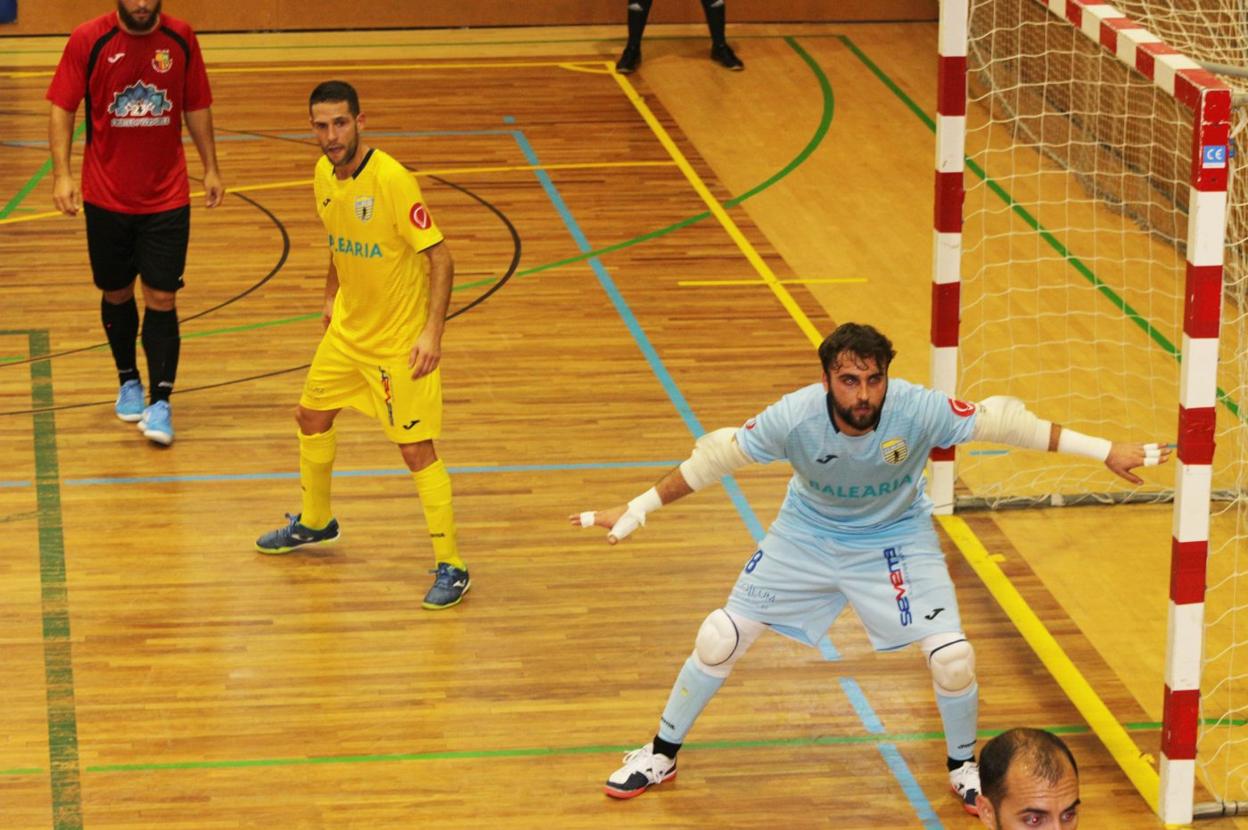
x: 643, y: 768
x: 964, y: 781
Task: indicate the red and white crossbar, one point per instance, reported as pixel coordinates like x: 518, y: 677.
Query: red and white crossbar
x: 1209, y: 101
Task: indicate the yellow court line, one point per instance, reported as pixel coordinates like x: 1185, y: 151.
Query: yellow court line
x: 1073, y: 683
x: 1068, y: 677
x: 519, y: 168
x: 761, y: 267
x: 714, y: 283
x: 588, y: 68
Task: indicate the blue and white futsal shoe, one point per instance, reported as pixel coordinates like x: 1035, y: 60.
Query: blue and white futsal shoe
x: 296, y: 535
x: 964, y: 781
x: 643, y: 768
x: 449, y: 586
x: 129, y: 406
x: 157, y: 423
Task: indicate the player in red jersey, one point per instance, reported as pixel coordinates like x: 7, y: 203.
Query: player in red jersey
x: 141, y: 73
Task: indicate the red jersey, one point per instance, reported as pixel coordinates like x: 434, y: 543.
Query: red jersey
x: 137, y: 88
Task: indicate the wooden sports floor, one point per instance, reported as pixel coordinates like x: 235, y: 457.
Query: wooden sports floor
x: 637, y: 261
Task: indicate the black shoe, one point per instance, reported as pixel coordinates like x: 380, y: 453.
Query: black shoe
x: 629, y: 58
x: 723, y: 55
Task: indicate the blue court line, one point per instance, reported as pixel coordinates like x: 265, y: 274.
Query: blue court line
x: 634, y: 327
x: 892, y: 756
x: 389, y: 471
x: 896, y: 764
x: 828, y: 649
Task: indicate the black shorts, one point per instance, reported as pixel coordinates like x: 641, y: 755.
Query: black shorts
x: 125, y: 245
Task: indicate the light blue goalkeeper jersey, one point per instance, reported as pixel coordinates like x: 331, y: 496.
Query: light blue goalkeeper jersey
x: 861, y: 489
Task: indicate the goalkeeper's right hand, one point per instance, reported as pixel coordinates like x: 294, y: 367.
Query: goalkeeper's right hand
x: 620, y: 521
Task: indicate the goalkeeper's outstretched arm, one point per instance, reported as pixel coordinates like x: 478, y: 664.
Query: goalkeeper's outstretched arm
x: 1005, y: 420
x: 715, y: 455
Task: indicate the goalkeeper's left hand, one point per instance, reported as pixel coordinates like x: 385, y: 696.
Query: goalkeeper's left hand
x: 1124, y: 457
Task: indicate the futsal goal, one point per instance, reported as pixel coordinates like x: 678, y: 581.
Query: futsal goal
x: 1088, y: 258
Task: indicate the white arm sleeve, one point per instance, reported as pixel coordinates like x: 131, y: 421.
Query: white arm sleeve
x: 715, y: 455
x: 1005, y: 420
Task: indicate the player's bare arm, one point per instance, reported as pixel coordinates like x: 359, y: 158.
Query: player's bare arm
x: 1006, y: 420
x: 199, y: 125
x: 715, y: 455
x: 427, y: 352
x: 65, y: 194
x: 331, y: 292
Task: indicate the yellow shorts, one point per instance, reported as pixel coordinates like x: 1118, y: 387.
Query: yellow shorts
x: 409, y: 410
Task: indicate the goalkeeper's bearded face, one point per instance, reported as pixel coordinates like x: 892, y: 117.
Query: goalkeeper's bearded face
x: 856, y: 389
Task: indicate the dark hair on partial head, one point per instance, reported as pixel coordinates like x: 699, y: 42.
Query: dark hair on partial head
x: 1045, y: 754
x: 335, y: 91
x: 861, y: 341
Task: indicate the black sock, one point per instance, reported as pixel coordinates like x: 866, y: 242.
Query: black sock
x: 121, y: 326
x: 161, y: 344
x: 637, y: 21
x: 663, y: 747
x: 715, y: 21
x: 954, y: 763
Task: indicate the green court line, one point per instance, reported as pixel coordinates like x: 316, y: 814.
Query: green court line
x: 22, y: 771
x: 530, y: 752
x: 1056, y: 244
x: 44, y: 170
x: 54, y: 597
x: 299, y: 318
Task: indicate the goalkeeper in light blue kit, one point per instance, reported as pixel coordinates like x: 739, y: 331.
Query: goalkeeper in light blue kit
x: 855, y: 528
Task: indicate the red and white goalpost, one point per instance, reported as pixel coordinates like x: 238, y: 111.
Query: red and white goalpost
x: 1073, y: 264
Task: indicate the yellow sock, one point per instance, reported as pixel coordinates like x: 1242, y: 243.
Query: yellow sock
x: 433, y: 483
x: 316, y: 471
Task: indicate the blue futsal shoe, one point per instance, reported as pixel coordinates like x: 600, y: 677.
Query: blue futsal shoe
x: 296, y: 535
x: 449, y: 586
x: 129, y: 406
x: 157, y: 423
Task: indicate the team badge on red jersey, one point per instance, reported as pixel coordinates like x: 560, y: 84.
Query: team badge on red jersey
x: 161, y: 61
x: 420, y: 216
x: 961, y: 408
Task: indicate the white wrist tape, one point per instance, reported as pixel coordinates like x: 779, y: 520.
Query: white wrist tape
x: 715, y: 455
x: 635, y: 516
x: 1005, y: 420
x: 1076, y: 443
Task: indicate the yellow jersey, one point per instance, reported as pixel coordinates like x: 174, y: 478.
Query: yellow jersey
x: 378, y: 225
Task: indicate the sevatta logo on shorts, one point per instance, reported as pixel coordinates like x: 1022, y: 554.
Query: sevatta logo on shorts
x: 750, y: 424
x: 420, y: 216
x: 961, y: 408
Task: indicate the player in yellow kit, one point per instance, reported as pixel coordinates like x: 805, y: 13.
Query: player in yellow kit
x: 386, y: 296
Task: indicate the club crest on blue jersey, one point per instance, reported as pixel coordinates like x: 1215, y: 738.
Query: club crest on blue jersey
x: 162, y: 62
x: 894, y: 451
x: 364, y: 208
x: 140, y: 105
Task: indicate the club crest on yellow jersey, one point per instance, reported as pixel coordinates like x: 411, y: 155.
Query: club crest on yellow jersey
x: 364, y: 208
